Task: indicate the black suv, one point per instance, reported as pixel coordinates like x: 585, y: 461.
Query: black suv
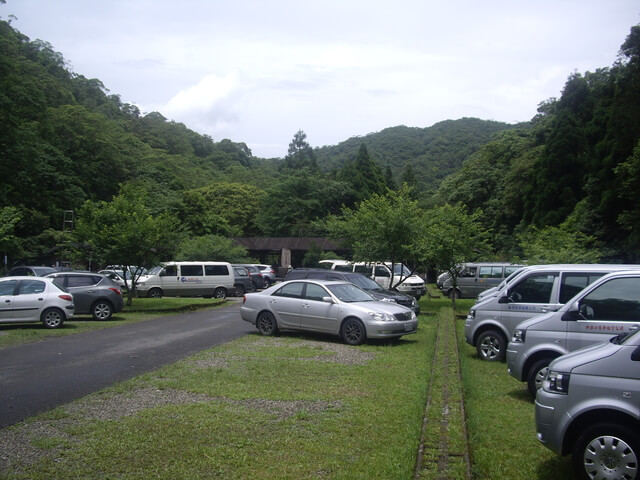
x: 358, y: 279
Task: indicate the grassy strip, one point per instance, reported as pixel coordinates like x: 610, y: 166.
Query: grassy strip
x: 141, y: 310
x: 444, y: 443
x: 290, y: 407
x: 500, y: 420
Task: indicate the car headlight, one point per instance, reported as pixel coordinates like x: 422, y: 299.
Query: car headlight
x: 471, y: 314
x: 519, y: 335
x: 556, y: 382
x: 382, y: 317
x: 413, y: 301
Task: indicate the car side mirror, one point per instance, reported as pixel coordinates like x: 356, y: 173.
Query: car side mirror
x: 327, y: 299
x: 573, y: 313
x: 503, y: 299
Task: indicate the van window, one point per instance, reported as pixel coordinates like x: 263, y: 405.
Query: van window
x: 169, y: 271
x: 510, y: 269
x: 617, y: 300
x: 364, y: 269
x: 533, y: 289
x: 490, y: 272
x: 343, y: 268
x: 191, y: 270
x: 469, y: 272
x: 216, y: 270
x: 381, y: 271
x: 574, y: 283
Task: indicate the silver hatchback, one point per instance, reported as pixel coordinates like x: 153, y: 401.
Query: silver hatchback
x: 337, y: 308
x: 589, y: 405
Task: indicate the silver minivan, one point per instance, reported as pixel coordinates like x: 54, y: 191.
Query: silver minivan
x: 589, y: 405
x: 475, y: 278
x: 608, y: 307
x: 534, y: 291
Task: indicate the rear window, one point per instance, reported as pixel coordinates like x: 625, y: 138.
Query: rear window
x: 216, y: 270
x: 364, y: 269
x: 343, y: 268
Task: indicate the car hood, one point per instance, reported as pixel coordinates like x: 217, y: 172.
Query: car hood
x: 577, y: 358
x: 377, y: 306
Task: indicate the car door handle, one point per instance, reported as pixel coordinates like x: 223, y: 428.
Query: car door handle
x: 7, y: 301
x: 305, y: 305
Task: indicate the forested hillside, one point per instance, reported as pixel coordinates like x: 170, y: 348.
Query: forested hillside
x: 67, y: 143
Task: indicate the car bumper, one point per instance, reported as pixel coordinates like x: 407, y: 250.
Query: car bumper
x: 551, y: 419
x: 391, y: 329
x: 516, y: 358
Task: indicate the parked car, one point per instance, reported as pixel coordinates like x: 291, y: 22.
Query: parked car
x: 31, y: 271
x: 185, y: 279
x: 25, y: 299
x: 358, y: 279
x: 334, y: 307
x: 475, y: 278
x: 588, y: 406
x: 256, y: 276
x: 242, y: 281
x: 269, y: 274
x: 93, y: 293
x: 607, y: 307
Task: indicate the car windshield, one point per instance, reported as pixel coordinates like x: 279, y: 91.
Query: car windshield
x: 349, y: 293
x: 363, y: 282
x: 155, y: 270
x: 401, y: 269
x: 623, y: 337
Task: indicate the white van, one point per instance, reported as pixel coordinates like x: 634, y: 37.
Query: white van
x: 188, y: 279
x: 381, y: 272
x: 535, y: 290
x: 609, y: 306
x: 475, y: 278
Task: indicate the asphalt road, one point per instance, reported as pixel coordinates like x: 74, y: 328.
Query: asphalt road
x: 40, y: 376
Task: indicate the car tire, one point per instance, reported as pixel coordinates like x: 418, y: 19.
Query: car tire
x: 52, y: 318
x: 605, y: 448
x: 102, y: 310
x: 536, y: 375
x: 255, y: 286
x: 353, y: 332
x: 267, y: 283
x: 240, y: 290
x: 266, y: 324
x: 454, y: 293
x: 220, y: 292
x: 491, y: 346
x: 155, y: 293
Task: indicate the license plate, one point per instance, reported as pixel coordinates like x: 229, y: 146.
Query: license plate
x: 408, y: 328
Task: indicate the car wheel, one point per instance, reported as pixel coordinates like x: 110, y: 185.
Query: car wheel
x: 220, y: 292
x: 491, y: 346
x: 266, y: 324
x: 607, y: 450
x: 453, y: 293
x: 240, y: 290
x: 155, y: 293
x: 267, y: 283
x: 536, y: 375
x: 102, y: 310
x: 353, y: 332
x: 52, y: 318
x: 255, y: 286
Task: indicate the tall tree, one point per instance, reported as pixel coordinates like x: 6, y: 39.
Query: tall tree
x: 364, y: 175
x: 300, y: 153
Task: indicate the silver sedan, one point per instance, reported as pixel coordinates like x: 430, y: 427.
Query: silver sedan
x: 338, y: 308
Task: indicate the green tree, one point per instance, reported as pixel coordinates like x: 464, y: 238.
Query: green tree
x: 383, y: 228
x: 558, y: 245
x: 300, y: 154
x: 450, y: 237
x: 212, y: 248
x: 364, y: 175
x: 9, y: 217
x: 123, y: 232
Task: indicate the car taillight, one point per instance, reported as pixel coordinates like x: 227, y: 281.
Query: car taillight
x: 68, y: 298
x: 118, y: 292
x: 244, y: 299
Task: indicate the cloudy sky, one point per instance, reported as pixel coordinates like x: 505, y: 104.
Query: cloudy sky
x: 257, y: 71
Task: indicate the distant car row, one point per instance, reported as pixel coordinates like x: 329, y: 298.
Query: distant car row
x: 570, y: 333
x: 56, y: 297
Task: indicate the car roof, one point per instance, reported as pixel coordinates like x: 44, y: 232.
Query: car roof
x: 26, y: 277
